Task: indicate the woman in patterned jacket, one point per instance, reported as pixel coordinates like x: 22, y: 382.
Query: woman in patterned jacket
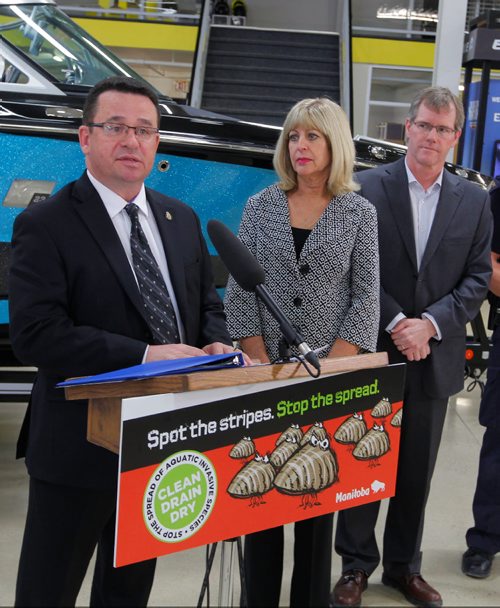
x: 317, y: 241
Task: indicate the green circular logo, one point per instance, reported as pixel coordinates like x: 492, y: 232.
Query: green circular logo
x: 180, y: 496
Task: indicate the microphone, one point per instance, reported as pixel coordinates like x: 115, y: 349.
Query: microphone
x: 250, y: 276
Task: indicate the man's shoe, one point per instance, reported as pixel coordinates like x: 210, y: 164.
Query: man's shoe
x: 349, y: 588
x: 415, y: 589
x: 476, y: 563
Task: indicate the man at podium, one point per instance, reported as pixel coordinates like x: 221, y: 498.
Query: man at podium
x: 105, y: 274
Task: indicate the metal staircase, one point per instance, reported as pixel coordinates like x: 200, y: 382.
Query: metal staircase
x: 257, y: 74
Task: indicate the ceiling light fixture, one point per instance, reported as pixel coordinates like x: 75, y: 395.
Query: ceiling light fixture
x: 406, y: 14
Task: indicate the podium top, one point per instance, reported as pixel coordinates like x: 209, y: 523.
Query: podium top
x: 219, y: 378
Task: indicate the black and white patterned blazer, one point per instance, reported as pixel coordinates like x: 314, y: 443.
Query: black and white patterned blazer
x: 331, y: 291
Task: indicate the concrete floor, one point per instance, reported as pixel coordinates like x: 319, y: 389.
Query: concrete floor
x: 179, y: 577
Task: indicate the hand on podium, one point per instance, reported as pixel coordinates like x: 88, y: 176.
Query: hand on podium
x: 160, y: 352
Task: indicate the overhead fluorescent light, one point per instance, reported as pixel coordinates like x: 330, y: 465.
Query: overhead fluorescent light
x: 406, y: 14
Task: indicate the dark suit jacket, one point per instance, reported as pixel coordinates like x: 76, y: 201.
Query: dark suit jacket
x: 454, y: 274
x: 75, y: 310
x: 489, y: 409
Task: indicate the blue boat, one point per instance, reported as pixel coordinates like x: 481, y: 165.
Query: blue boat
x: 47, y: 66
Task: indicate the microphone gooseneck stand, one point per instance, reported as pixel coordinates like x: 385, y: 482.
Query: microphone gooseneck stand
x: 250, y: 276
x: 291, y: 334
x: 285, y: 356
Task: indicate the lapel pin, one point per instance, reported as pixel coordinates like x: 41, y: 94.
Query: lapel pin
x: 169, y: 216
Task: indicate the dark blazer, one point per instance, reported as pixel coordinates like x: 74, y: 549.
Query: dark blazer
x: 489, y: 409
x: 453, y: 277
x: 75, y: 310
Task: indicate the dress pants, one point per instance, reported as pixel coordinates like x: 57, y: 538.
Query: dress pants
x: 421, y: 431
x: 63, y: 526
x: 485, y: 534
x: 312, y: 554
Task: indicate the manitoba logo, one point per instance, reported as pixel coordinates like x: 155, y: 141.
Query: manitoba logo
x: 180, y: 496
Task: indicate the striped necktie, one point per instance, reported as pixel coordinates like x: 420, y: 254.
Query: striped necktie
x: 157, y: 304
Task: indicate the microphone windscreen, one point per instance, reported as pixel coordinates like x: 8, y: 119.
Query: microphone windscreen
x: 240, y: 262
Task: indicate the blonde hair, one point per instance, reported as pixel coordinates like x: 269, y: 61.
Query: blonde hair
x: 327, y: 117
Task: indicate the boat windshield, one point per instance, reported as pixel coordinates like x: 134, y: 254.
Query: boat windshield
x: 58, y: 45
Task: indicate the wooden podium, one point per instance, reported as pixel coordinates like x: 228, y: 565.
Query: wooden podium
x: 206, y: 456
x: 105, y: 399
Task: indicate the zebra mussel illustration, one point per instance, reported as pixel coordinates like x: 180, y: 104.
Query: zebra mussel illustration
x: 382, y: 409
x: 243, y: 449
x: 293, y: 430
x: 318, y: 430
x: 312, y: 468
x: 351, y: 430
x: 253, y: 480
x: 303, y: 462
x: 372, y: 445
x: 283, y: 451
x: 397, y: 418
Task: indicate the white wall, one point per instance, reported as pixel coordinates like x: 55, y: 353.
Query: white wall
x: 293, y: 14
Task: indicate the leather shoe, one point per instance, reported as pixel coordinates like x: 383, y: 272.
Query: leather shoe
x: 348, y: 590
x: 476, y: 563
x: 415, y: 589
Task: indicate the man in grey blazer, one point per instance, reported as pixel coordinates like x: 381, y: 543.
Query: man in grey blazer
x: 78, y: 308
x: 434, y: 239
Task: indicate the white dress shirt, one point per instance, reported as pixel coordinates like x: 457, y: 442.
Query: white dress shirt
x: 423, y: 209
x: 115, y: 206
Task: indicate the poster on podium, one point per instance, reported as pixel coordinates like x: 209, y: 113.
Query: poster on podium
x: 209, y: 465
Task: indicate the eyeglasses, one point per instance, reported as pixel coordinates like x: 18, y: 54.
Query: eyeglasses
x: 116, y: 130
x: 426, y: 127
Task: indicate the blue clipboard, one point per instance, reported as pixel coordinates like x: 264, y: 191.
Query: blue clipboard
x: 167, y: 367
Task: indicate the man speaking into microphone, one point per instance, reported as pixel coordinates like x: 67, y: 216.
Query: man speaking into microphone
x: 317, y: 242
x: 105, y: 274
